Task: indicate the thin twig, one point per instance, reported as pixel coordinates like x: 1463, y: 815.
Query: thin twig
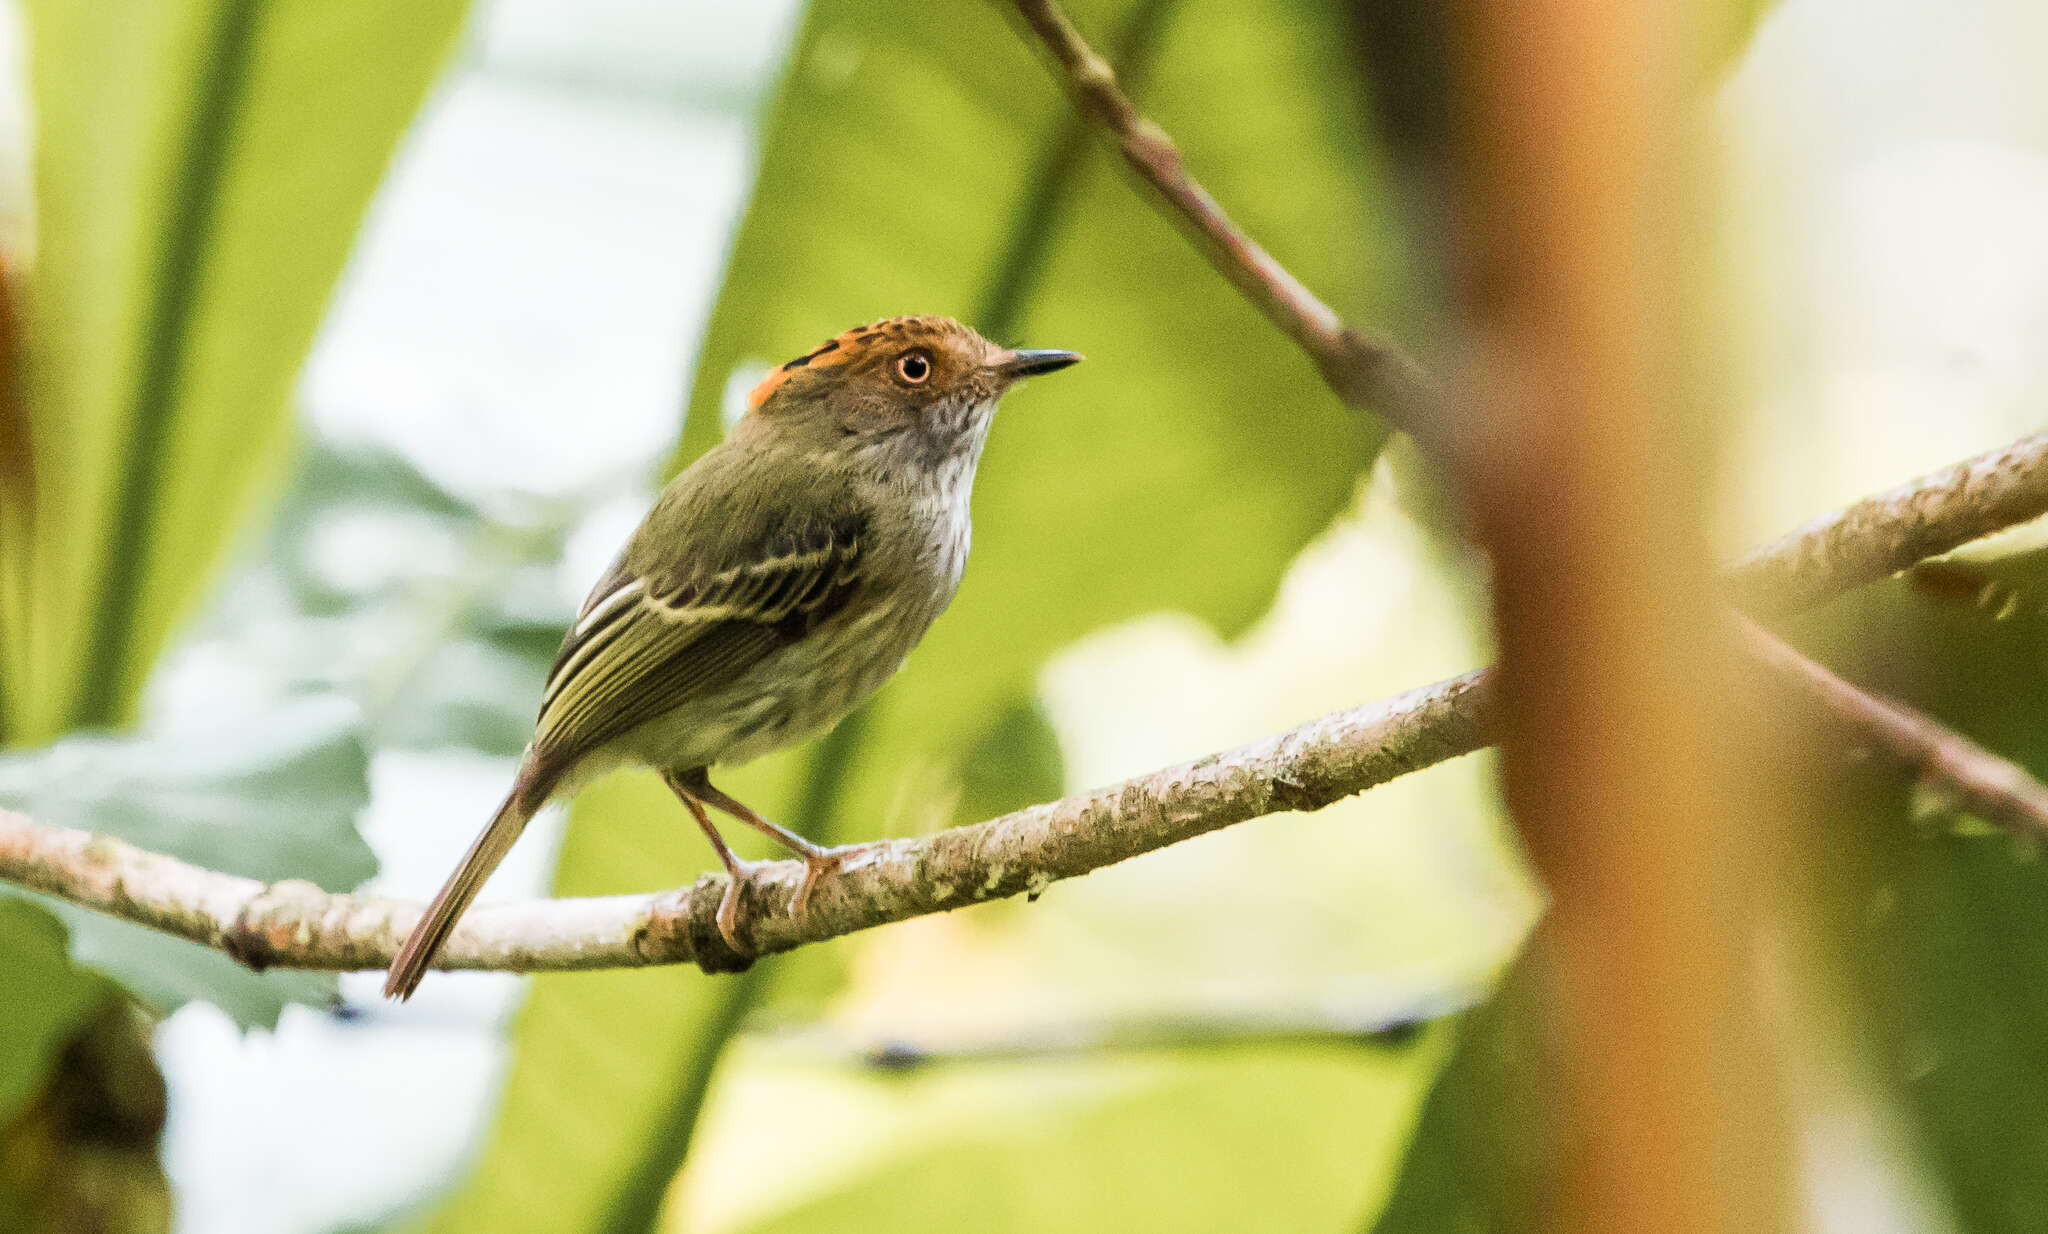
x: 1884, y: 533
x: 1372, y: 1019
x: 1367, y: 371
x: 1975, y: 780
x: 1839, y: 551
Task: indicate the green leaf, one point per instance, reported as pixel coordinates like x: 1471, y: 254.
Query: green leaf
x: 82, y: 1155
x: 1482, y: 1157
x: 274, y: 800
x: 1014, y: 760
x: 1181, y: 468
x: 1226, y: 1139
x: 201, y: 166
x: 378, y: 585
x: 1938, y: 924
x: 48, y: 1000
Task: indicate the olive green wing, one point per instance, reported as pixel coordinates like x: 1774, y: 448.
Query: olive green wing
x: 648, y: 641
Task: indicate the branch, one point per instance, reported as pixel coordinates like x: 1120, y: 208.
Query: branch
x: 1372, y: 1020
x: 296, y: 925
x: 1860, y: 544
x: 1883, y: 534
x: 1367, y: 371
x: 1994, y: 789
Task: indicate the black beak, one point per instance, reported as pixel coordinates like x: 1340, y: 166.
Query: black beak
x: 1032, y: 363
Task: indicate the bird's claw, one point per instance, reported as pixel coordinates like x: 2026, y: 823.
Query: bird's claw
x: 729, y: 907
x: 816, y: 865
x: 824, y: 861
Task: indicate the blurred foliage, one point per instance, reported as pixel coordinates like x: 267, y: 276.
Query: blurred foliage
x: 1238, y: 1138
x: 274, y: 797
x: 200, y: 169
x: 899, y: 175
x: 201, y: 166
x: 83, y: 1157
x: 1721, y: 32
x: 81, y: 1102
x: 1013, y: 761
x: 438, y: 620
x: 47, y: 998
x: 1482, y: 1157
x: 1938, y: 924
x: 446, y: 643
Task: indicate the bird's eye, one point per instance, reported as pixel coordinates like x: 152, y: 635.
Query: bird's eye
x: 913, y: 367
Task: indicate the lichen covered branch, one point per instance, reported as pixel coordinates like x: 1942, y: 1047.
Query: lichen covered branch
x: 1883, y: 534
x: 296, y: 925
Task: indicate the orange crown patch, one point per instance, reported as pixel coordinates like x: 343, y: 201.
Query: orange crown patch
x: 843, y: 347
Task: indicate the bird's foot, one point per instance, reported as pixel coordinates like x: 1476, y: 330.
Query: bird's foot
x: 819, y: 861
x: 736, y: 874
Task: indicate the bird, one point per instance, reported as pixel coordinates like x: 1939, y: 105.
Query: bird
x: 776, y: 583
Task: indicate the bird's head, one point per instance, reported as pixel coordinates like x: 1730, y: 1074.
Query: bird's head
x: 909, y: 387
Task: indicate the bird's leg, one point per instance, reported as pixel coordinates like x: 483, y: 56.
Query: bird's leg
x: 686, y: 790
x: 818, y: 859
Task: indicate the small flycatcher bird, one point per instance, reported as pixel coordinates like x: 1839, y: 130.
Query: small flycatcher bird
x: 778, y: 581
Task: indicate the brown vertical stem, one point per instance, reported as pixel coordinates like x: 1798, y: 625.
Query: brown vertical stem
x: 1587, y: 491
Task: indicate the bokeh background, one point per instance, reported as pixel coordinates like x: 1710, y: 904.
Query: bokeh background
x: 359, y: 336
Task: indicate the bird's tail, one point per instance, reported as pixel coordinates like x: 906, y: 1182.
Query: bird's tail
x: 490, y: 847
